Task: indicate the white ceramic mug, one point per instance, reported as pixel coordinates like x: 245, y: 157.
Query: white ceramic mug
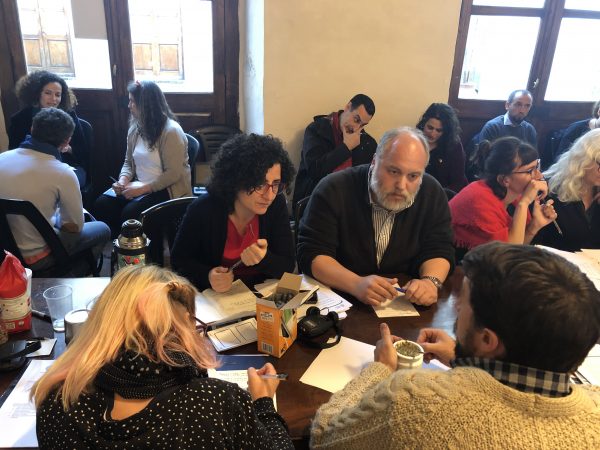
x: 406, y: 361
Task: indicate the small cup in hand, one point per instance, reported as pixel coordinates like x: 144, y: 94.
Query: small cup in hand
x: 410, y: 354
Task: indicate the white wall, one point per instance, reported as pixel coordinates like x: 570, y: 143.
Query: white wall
x: 318, y: 54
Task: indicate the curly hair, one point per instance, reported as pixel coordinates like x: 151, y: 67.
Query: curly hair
x: 501, y: 157
x: 153, y: 110
x: 447, y: 115
x: 567, y: 174
x: 29, y: 88
x: 242, y: 164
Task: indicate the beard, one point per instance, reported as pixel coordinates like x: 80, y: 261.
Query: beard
x: 516, y: 120
x: 464, y: 350
x: 383, y: 198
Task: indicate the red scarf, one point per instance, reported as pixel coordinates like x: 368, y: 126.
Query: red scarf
x: 338, y: 138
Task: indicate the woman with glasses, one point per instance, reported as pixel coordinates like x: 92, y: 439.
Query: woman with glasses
x: 574, y: 184
x: 156, y: 167
x: 511, y: 179
x: 440, y: 126
x: 135, y: 377
x: 241, y: 228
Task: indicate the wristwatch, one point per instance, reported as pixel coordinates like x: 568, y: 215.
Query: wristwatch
x: 436, y: 281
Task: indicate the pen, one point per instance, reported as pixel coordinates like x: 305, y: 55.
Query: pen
x: 399, y: 289
x: 557, y: 227
x: 275, y: 376
x: 113, y: 179
x: 41, y: 315
x: 235, y: 266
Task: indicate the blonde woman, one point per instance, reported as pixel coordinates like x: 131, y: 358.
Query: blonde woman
x: 574, y: 184
x: 135, y: 377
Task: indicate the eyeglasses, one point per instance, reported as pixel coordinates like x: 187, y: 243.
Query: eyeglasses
x: 598, y: 166
x: 276, y: 187
x: 201, y: 327
x: 529, y: 171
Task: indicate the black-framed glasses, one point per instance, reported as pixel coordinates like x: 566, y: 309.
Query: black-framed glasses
x: 276, y: 187
x: 529, y: 171
x: 201, y: 327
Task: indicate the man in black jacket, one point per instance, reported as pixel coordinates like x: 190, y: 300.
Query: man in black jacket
x: 369, y: 222
x: 335, y: 142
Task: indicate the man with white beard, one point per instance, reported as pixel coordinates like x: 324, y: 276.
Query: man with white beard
x: 371, y: 222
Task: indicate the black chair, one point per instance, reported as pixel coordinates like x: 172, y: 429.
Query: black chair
x: 87, y: 191
x: 161, y: 222
x: 193, y: 146
x: 64, y: 262
x: 298, y: 212
x: 211, y: 137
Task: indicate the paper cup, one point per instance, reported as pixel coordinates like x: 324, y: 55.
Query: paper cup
x: 410, y: 354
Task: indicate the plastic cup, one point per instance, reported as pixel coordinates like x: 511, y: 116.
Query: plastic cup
x: 60, y: 302
x: 412, y: 360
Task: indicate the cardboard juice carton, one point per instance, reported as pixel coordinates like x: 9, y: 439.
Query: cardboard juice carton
x: 276, y: 319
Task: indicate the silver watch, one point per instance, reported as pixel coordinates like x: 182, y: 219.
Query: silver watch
x: 436, y: 281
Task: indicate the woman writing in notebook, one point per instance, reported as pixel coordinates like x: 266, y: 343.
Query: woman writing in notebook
x: 241, y: 227
x: 156, y: 165
x: 135, y: 377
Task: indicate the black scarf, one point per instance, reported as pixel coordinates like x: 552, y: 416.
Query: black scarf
x: 132, y: 375
x: 39, y: 146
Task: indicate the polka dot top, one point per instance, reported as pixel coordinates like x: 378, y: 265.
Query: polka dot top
x: 204, y: 413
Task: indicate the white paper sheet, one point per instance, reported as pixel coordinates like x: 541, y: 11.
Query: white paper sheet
x: 590, y: 368
x: 17, y: 415
x: 396, y: 307
x: 336, y: 366
x: 239, y: 377
x: 234, y: 335
x: 45, y: 349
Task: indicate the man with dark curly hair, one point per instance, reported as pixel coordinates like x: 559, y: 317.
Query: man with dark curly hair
x: 240, y: 229
x: 335, y: 142
x: 42, y: 89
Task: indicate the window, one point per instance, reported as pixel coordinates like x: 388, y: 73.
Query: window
x: 546, y: 46
x: 172, y: 43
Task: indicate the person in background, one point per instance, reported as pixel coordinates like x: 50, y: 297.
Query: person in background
x: 440, y: 126
x: 511, y: 177
x: 135, y: 377
x: 33, y: 172
x: 370, y: 222
x: 241, y: 228
x: 156, y: 167
x: 513, y: 122
x: 574, y: 186
x: 526, y: 319
x: 42, y: 89
x: 335, y: 142
x: 578, y: 129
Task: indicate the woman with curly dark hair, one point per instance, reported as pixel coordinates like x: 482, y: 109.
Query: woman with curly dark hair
x: 156, y: 167
x: 440, y: 126
x: 242, y: 221
x: 43, y: 89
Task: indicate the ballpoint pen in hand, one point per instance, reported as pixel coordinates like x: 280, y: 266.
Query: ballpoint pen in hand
x: 235, y: 266
x: 275, y: 376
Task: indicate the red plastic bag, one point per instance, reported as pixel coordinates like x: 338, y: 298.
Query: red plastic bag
x: 15, y: 294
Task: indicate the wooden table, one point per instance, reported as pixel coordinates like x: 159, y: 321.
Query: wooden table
x: 296, y: 402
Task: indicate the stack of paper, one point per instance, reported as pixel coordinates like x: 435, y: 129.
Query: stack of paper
x: 213, y: 307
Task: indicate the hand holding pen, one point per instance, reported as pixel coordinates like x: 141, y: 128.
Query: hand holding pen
x: 263, y: 382
x: 116, y: 186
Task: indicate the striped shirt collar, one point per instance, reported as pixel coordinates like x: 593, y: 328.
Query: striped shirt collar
x: 521, y: 378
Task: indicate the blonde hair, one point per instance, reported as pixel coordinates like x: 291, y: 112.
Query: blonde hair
x: 567, y: 174
x: 146, y: 309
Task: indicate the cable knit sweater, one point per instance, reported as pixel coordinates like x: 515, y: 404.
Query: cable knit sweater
x: 462, y: 408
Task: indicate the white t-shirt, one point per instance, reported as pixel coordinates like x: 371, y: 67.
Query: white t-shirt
x: 147, y: 163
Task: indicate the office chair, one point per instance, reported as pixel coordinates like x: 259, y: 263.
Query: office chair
x: 211, y: 137
x: 298, y: 212
x: 63, y: 262
x: 193, y: 146
x: 162, y: 222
